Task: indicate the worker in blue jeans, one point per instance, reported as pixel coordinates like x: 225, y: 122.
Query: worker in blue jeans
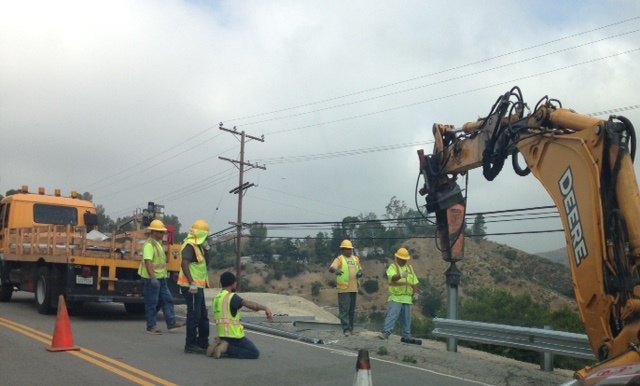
x: 153, y: 271
x: 403, y: 283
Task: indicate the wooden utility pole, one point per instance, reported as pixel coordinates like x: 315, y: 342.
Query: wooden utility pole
x: 239, y: 190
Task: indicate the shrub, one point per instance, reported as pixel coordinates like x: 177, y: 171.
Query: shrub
x: 409, y: 359
x: 510, y: 255
x: 370, y: 286
x: 382, y: 351
x: 315, y: 288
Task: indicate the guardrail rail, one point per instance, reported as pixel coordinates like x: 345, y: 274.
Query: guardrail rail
x: 535, y: 339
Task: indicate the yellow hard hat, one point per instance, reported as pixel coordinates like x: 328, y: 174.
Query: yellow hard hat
x: 157, y: 225
x: 201, y: 225
x: 346, y: 244
x: 403, y: 254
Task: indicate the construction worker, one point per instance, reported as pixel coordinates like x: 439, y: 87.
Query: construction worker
x: 153, y: 271
x: 348, y: 273
x: 403, y: 284
x: 226, y: 311
x: 193, y: 279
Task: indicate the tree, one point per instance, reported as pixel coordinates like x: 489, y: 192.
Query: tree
x: 105, y: 222
x: 368, y: 232
x: 11, y: 192
x: 430, y: 300
x: 416, y: 225
x: 479, y: 230
x: 86, y: 196
x: 258, y: 246
x: 322, y: 247
x: 344, y: 230
x: 396, y: 209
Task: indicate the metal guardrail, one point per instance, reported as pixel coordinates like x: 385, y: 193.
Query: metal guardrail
x: 535, y: 339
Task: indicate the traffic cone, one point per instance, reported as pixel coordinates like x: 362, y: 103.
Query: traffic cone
x: 62, y: 336
x: 363, y: 369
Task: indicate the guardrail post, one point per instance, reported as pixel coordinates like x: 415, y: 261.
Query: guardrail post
x: 547, y: 357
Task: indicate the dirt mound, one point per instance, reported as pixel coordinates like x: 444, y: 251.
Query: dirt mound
x: 281, y: 305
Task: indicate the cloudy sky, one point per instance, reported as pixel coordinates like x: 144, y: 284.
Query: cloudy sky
x: 124, y: 99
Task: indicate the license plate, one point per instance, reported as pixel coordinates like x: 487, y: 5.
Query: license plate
x: 84, y: 280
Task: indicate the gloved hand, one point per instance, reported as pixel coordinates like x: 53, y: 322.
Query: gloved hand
x: 404, y: 274
x: 337, y: 272
x: 155, y: 283
x: 359, y: 274
x: 193, y: 288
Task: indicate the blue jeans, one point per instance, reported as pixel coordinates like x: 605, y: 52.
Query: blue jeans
x: 197, y: 318
x: 347, y: 310
x: 242, y: 348
x: 155, y: 298
x: 398, y: 310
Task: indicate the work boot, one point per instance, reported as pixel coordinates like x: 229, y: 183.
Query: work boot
x: 192, y: 349
x: 213, y: 345
x: 383, y: 336
x: 177, y: 326
x: 411, y: 341
x: 220, y: 349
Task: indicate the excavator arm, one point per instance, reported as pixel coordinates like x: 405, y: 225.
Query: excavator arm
x: 586, y: 166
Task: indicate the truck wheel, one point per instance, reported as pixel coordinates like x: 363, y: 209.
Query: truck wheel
x: 134, y: 308
x: 43, y: 291
x: 6, y: 289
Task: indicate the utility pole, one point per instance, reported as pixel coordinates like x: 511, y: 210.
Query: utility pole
x: 239, y: 190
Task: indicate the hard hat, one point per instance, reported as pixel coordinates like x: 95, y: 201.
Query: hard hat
x: 346, y: 244
x: 157, y: 225
x: 403, y: 254
x: 201, y: 225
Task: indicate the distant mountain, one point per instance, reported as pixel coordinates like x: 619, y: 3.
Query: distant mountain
x: 486, y: 265
x: 559, y: 256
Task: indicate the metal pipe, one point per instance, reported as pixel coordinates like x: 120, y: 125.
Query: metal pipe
x: 281, y: 333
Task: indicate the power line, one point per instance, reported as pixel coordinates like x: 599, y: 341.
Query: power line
x: 508, y: 82
x: 439, y: 72
x: 150, y: 158
x: 409, y: 237
x: 459, y: 77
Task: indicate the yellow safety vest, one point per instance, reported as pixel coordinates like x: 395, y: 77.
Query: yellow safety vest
x: 198, y: 269
x: 228, y: 326
x: 402, y: 290
x: 159, y: 260
x: 342, y: 281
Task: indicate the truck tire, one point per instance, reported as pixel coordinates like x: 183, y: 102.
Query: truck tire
x: 6, y: 289
x: 43, y: 291
x: 134, y: 308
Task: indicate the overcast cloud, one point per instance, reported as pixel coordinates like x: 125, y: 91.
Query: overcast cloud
x: 123, y: 98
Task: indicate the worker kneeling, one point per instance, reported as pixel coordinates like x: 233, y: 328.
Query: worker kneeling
x: 226, y: 311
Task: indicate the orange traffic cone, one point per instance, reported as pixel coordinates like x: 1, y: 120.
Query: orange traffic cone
x: 363, y: 369
x: 62, y: 336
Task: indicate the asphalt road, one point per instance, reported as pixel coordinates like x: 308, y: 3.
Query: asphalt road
x: 115, y: 350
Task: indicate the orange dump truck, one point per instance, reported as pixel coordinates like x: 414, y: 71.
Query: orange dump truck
x: 50, y: 245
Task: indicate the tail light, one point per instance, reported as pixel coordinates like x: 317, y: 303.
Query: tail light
x: 86, y: 271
